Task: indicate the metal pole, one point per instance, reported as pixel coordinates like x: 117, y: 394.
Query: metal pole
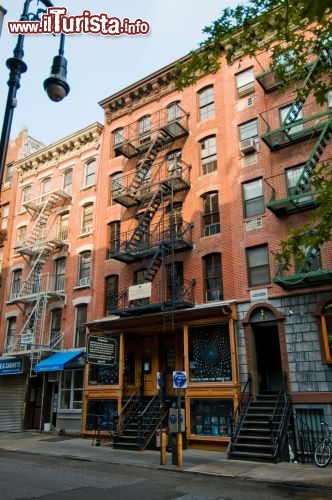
x: 3, y: 12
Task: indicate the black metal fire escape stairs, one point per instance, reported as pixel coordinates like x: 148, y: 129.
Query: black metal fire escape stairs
x: 37, y: 289
x: 303, y: 185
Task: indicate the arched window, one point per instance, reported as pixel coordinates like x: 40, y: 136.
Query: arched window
x: 206, y: 103
x: 87, y: 219
x: 211, y: 215
x: 213, y: 277
x: 208, y: 154
x: 68, y: 180
x: 84, y: 268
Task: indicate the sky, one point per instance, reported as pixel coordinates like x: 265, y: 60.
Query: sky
x: 98, y: 65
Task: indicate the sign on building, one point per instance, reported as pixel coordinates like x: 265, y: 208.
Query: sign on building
x: 101, y: 350
x: 11, y: 366
x: 142, y: 291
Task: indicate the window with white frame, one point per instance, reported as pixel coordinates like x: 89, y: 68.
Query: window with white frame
x: 114, y: 230
x: 245, y: 82
x: 21, y: 236
x: 249, y: 130
x: 9, y: 174
x: 63, y: 226
x: 26, y: 196
x: 4, y: 215
x: 45, y: 188
x: 253, y: 199
x: 87, y: 219
x: 60, y: 269
x: 90, y: 173
x: 10, y: 332
x: 206, y: 103
x: 209, y: 154
x: 292, y: 177
x: 71, y: 390
x: 144, y: 128
x: 84, y: 268
x: 173, y: 111
x: 211, y: 214
x: 258, y: 265
x: 118, y: 136
x: 296, y: 127
x: 68, y: 180
x: 80, y: 325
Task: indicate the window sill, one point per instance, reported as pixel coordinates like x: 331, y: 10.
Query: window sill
x: 79, y: 287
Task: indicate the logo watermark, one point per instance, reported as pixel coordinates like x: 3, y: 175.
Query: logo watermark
x: 55, y: 21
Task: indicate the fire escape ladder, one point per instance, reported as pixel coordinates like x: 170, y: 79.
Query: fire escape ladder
x: 145, y: 219
x: 326, y: 59
x: 144, y: 164
x: 310, y: 165
x: 155, y: 263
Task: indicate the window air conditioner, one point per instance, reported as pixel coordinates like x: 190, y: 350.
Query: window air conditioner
x: 248, y: 146
x: 84, y: 281
x: 86, y: 230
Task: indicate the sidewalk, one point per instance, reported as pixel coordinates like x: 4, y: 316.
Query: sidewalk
x: 194, y: 461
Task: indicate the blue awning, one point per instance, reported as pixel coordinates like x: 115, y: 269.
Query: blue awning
x: 58, y: 361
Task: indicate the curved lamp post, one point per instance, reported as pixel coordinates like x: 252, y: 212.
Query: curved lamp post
x: 55, y: 85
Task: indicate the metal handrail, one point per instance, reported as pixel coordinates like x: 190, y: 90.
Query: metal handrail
x: 149, y: 420
x: 279, y: 418
x: 245, y: 399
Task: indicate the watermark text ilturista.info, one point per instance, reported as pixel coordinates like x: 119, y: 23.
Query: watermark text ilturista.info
x: 55, y: 21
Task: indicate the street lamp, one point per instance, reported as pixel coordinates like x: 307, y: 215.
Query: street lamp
x: 2, y: 14
x: 55, y: 85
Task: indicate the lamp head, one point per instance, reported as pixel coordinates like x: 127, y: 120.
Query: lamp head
x: 56, y: 84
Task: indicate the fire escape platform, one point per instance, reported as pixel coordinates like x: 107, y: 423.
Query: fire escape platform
x: 134, y: 144
x: 287, y: 136
x: 303, y: 280
x: 295, y: 203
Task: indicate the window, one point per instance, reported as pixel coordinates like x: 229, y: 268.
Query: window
x: 209, y: 354
x: 56, y: 331
x: 258, y: 265
x: 63, y: 227
x: 9, y: 174
x: 283, y: 114
x: 209, y: 154
x: 80, y: 325
x: 311, y: 260
x: 176, y: 220
x: 87, y: 219
x: 248, y: 130
x: 21, y: 236
x: 253, y: 200
x: 144, y: 128
x: 175, y: 282
x: 16, y: 283
x: 90, y: 173
x: 213, y: 277
x: 118, y: 136
x: 245, y: 82
x: 211, y: 216
x: 211, y: 417
x: 286, y: 61
x: 329, y: 99
x: 111, y: 293
x: 326, y: 321
x: 174, y: 164
x: 84, y: 268
x: 116, y: 185
x: 10, y: 332
x: 4, y: 216
x: 173, y: 111
x: 45, y: 188
x: 292, y: 177
x: 60, y: 269
x: 68, y: 180
x: 206, y: 103
x: 26, y: 196
x: 100, y: 412
x: 114, y: 236
x: 71, y: 390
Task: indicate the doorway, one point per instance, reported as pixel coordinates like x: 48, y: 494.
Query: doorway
x: 267, y: 356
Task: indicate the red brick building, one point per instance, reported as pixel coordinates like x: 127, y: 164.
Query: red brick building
x: 175, y: 270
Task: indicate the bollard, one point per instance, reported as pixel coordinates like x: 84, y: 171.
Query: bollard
x: 163, y: 448
x: 179, y: 448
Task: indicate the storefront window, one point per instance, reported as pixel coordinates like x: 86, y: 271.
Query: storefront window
x: 71, y: 390
x: 211, y: 417
x: 209, y: 353
x: 100, y: 414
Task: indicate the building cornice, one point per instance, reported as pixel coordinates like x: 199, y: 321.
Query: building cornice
x: 70, y: 147
x: 143, y: 91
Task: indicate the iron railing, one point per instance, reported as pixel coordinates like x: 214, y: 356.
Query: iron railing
x: 279, y: 420
x: 245, y: 399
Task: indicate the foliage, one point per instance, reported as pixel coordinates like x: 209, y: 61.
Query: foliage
x: 292, y: 31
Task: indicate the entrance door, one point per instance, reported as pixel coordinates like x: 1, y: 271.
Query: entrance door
x: 141, y: 365
x: 267, y: 354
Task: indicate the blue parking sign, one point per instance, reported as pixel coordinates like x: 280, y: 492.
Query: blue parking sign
x: 179, y: 380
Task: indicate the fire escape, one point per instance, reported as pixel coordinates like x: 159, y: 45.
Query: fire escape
x: 301, y: 195
x: 148, y: 192
x: 34, y: 293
